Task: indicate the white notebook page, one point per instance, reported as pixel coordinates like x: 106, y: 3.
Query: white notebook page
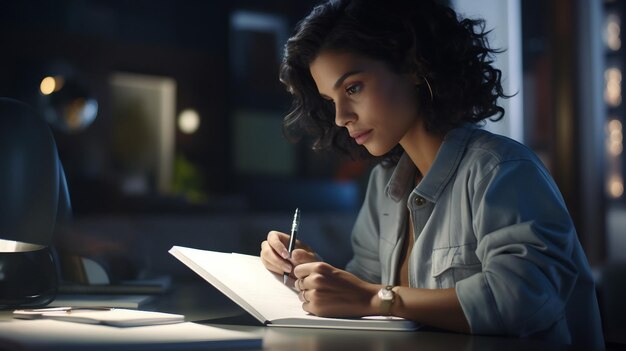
x: 247, y: 277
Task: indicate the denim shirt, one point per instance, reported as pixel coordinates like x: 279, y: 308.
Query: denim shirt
x: 490, y: 222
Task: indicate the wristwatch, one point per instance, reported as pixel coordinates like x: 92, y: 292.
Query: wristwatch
x: 387, y: 298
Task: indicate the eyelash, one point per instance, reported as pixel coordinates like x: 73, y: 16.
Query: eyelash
x: 350, y: 90
x: 353, y: 89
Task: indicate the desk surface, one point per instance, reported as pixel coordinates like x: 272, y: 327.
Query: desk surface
x: 203, y: 304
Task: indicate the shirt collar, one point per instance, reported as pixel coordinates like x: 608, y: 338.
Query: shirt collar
x: 445, y: 164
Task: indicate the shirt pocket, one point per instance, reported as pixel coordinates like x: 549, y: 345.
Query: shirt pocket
x: 452, y: 264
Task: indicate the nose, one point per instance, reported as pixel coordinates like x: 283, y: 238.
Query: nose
x: 344, y: 114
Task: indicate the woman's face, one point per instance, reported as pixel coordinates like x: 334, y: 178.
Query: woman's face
x: 375, y: 104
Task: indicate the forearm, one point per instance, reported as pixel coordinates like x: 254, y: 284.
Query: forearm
x: 330, y: 292
x: 434, y: 307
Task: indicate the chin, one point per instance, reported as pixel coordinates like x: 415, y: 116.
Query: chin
x: 376, y: 152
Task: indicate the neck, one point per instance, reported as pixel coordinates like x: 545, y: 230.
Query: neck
x: 421, y: 146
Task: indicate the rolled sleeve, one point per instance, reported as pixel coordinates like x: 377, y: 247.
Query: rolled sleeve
x: 525, y: 240
x: 478, y: 302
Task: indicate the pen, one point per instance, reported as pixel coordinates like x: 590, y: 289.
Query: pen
x: 292, y: 239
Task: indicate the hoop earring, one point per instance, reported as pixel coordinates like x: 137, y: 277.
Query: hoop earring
x: 430, y: 89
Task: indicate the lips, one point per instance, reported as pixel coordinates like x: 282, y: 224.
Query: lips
x: 361, y: 136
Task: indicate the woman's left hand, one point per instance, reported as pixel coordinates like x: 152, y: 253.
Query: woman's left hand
x: 330, y: 292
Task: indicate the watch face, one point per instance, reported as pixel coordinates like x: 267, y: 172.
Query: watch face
x: 385, y: 294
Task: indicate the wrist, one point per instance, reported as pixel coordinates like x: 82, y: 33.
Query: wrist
x: 386, y: 299
x: 374, y: 305
x: 397, y: 306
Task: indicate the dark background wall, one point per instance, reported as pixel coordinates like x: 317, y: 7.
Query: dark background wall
x: 191, y: 42
x: 222, y: 72
x: 219, y: 69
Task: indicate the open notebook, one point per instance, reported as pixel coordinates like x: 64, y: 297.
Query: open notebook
x: 244, y: 279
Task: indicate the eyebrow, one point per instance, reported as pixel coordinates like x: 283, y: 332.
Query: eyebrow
x: 344, y: 77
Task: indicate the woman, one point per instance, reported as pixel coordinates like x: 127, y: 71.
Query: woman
x: 460, y: 229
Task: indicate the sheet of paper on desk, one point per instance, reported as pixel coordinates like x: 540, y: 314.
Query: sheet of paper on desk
x: 118, y: 317
x: 50, y: 335
x: 90, y: 300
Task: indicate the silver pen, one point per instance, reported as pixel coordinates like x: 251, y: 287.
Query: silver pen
x: 292, y: 239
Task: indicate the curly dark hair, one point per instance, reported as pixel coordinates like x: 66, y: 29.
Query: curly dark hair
x: 419, y: 37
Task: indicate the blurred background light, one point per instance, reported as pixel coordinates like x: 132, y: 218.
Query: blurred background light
x: 613, y: 29
x: 613, y: 90
x: 614, y: 148
x: 188, y: 121
x: 616, y: 186
x: 47, y: 85
x: 615, y: 138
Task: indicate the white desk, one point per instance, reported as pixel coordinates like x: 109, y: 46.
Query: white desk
x: 202, y: 302
x: 67, y: 336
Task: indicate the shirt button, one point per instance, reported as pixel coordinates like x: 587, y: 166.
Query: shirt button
x: 419, y: 201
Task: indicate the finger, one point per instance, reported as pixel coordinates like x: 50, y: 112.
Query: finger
x: 306, y: 307
x: 279, y: 241
x: 271, y: 258
x: 302, y: 297
x: 304, y: 269
x: 272, y: 261
x: 299, y: 284
x: 300, y: 256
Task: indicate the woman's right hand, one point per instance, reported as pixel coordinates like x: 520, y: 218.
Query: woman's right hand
x: 275, y: 256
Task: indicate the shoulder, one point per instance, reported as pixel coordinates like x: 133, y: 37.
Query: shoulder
x: 494, y: 147
x: 486, y: 152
